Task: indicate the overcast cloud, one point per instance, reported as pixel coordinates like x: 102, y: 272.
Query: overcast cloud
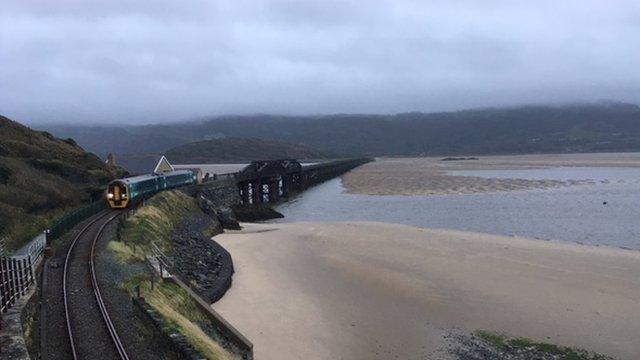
x: 160, y: 60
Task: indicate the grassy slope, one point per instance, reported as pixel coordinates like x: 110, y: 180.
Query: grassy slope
x: 40, y: 178
x: 155, y: 222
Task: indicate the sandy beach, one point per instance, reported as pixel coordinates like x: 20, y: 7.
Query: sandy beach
x: 429, y: 176
x: 364, y: 290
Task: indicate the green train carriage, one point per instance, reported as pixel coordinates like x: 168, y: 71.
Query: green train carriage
x: 122, y: 193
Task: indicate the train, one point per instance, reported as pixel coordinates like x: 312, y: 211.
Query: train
x: 122, y: 193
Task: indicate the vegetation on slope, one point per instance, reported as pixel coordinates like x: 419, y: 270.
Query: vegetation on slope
x: 504, y: 347
x: 182, y: 313
x: 156, y: 220
x: 517, y: 130
x: 154, y: 223
x: 41, y: 177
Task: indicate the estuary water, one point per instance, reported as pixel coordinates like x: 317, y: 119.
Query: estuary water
x: 604, y: 212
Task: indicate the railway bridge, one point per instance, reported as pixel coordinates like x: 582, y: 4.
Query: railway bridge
x: 269, y: 181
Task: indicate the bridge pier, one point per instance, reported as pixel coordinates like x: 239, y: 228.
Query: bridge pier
x: 269, y: 181
x: 256, y: 194
x: 245, y: 192
x: 274, y: 190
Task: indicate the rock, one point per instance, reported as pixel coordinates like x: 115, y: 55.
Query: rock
x: 253, y: 213
x: 201, y: 262
x: 227, y: 218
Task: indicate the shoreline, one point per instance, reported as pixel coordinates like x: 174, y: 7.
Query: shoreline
x: 367, y: 290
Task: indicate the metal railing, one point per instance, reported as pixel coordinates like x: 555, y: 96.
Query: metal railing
x: 34, y: 249
x: 72, y: 219
x: 165, y: 265
x: 17, y: 272
x: 16, y: 276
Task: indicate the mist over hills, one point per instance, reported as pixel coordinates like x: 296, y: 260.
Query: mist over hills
x: 237, y: 149
x: 526, y: 129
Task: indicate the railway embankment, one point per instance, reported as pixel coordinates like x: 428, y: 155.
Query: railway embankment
x: 173, y: 230
x: 173, y: 225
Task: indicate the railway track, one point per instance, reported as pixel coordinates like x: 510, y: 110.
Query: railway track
x: 92, y: 334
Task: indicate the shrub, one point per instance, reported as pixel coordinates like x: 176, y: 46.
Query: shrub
x: 5, y: 173
x: 71, y: 142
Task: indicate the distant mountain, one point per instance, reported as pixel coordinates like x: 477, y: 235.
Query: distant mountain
x: 516, y: 130
x: 239, y: 150
x: 226, y: 150
x: 40, y: 176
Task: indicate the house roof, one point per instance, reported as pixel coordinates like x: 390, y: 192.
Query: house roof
x: 163, y: 166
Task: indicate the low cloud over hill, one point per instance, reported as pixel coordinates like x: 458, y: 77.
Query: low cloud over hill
x: 518, y: 130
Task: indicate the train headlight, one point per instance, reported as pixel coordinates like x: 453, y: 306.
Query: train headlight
x: 109, y: 196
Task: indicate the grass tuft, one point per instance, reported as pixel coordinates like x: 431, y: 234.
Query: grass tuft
x: 182, y: 314
x: 126, y: 254
x: 518, y: 346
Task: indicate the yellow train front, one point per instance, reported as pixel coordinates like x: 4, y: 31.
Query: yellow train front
x: 122, y: 193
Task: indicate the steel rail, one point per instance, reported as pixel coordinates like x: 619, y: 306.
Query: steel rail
x: 94, y: 284
x: 96, y: 290
x: 64, y: 282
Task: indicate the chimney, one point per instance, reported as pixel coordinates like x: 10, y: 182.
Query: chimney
x: 111, y: 160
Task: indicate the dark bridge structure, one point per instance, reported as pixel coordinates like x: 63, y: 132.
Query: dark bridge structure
x: 269, y: 181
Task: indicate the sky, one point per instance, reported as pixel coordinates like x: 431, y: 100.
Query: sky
x: 149, y: 61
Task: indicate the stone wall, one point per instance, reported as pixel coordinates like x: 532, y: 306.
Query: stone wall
x: 205, y: 265
x: 12, y: 340
x: 219, y: 192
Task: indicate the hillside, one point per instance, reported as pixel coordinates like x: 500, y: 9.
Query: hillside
x: 239, y: 150
x: 517, y: 130
x: 40, y: 177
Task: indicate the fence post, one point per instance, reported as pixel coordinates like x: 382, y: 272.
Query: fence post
x: 32, y: 278
x: 16, y: 276
x: 3, y: 283
x: 12, y: 283
x: 21, y: 276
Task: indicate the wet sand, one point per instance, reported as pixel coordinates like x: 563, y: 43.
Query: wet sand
x: 366, y: 290
x: 429, y: 176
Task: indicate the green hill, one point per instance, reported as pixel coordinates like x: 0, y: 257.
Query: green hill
x: 238, y: 150
x: 590, y: 127
x: 40, y: 178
